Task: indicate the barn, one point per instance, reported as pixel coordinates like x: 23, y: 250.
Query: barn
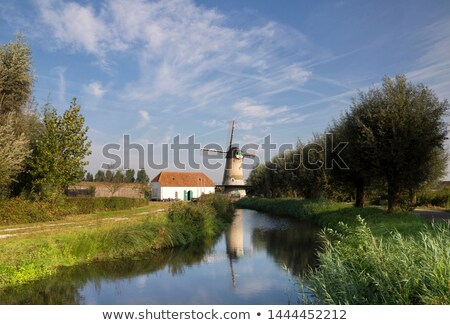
x: 183, y: 186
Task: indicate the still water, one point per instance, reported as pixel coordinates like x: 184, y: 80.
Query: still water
x: 256, y: 261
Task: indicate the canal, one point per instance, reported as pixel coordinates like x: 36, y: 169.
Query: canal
x: 256, y: 261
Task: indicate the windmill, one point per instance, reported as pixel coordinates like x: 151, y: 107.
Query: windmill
x: 233, y: 176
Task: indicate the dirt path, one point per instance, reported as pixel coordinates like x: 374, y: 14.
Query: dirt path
x: 72, y: 223
x: 433, y: 215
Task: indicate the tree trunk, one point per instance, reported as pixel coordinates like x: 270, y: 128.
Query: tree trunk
x: 360, y: 194
x: 393, y: 197
x: 413, y: 196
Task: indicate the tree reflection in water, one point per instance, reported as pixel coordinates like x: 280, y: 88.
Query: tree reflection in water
x: 63, y: 288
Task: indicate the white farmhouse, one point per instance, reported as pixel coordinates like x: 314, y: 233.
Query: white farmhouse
x: 183, y: 186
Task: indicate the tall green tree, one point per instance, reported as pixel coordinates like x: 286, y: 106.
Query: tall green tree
x: 89, y: 177
x: 109, y: 175
x: 118, y: 177
x: 129, y: 176
x: 100, y: 176
x: 58, y: 159
x: 16, y: 76
x: 142, y: 177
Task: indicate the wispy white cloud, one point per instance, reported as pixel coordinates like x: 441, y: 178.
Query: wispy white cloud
x: 435, y: 39
x: 144, y: 118
x: 433, y: 65
x: 183, y: 50
x: 213, y: 123
x: 76, y: 25
x: 95, y: 89
x: 249, y: 108
x: 144, y: 115
x: 245, y: 125
x: 251, y: 114
x: 61, y: 83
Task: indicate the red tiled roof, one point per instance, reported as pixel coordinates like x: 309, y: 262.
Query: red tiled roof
x: 183, y: 179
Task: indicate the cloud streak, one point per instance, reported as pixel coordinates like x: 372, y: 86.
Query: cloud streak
x: 183, y: 50
x: 434, y: 63
x: 61, y: 83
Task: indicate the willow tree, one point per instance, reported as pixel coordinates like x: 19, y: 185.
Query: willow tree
x: 14, y: 149
x: 17, y: 122
x: 400, y: 128
x: 16, y: 76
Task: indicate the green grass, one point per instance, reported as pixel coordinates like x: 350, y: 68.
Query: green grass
x: 370, y: 256
x: 31, y: 256
x: 329, y: 214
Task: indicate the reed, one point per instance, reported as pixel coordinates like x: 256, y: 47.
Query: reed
x: 394, y: 269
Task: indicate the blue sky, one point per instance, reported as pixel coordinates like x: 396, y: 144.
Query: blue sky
x: 157, y: 69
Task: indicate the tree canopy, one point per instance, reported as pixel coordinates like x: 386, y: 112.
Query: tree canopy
x: 58, y: 159
x: 399, y: 128
x: 16, y: 76
x: 142, y: 177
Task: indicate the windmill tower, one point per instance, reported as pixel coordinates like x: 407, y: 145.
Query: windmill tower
x: 233, y: 176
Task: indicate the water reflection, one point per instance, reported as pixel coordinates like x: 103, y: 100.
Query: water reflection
x: 64, y: 287
x: 234, y: 240
x: 245, y: 265
x: 235, y: 236
x: 283, y: 246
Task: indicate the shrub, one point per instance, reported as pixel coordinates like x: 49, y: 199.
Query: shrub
x: 439, y: 198
x: 207, y: 215
x: 220, y: 203
x: 18, y: 210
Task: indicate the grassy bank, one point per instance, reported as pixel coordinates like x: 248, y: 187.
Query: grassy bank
x: 330, y: 214
x: 38, y: 254
x: 371, y: 257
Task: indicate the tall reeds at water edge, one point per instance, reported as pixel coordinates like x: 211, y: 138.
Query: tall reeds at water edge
x: 359, y: 268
